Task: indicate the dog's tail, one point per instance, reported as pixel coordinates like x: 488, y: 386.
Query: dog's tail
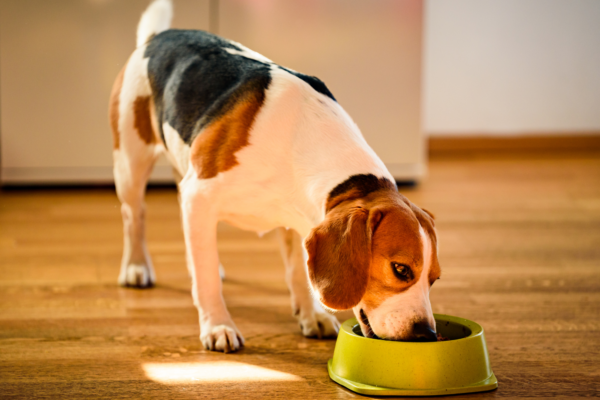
x: 155, y: 19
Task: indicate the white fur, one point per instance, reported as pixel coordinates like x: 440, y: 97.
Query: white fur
x: 276, y: 183
x: 394, y: 318
x: 155, y: 19
x: 179, y: 151
x: 133, y: 162
x: 246, y: 52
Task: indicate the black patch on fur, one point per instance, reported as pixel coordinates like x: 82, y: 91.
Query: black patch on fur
x: 313, y: 81
x: 364, y: 183
x: 193, y: 77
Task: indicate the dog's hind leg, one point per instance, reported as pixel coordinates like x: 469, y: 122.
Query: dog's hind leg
x: 130, y: 181
x: 313, y: 319
x: 134, y: 154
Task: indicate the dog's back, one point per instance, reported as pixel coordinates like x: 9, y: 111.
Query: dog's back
x: 195, y: 81
x: 197, y: 77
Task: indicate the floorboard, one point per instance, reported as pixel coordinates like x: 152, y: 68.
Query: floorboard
x: 520, y: 254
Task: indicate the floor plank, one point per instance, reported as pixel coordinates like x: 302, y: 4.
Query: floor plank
x: 520, y: 254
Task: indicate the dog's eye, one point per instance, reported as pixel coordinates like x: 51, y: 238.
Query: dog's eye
x: 402, y: 271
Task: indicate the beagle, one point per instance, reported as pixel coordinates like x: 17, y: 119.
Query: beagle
x: 264, y: 147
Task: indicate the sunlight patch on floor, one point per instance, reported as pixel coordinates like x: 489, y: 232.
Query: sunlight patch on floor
x: 219, y: 371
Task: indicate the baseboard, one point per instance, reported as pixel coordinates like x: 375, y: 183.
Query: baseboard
x: 538, y: 142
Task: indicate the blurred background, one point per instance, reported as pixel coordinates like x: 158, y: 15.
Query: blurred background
x: 406, y: 71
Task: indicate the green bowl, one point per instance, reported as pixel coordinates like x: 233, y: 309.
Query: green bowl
x: 387, y: 368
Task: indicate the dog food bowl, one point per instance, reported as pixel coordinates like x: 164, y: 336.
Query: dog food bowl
x: 388, y: 368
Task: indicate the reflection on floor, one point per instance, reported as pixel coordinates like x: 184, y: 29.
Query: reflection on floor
x: 213, y: 372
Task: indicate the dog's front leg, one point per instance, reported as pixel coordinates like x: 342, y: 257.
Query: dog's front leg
x: 217, y: 330
x: 313, y: 319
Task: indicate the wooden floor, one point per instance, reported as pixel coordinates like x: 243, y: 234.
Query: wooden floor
x: 520, y: 253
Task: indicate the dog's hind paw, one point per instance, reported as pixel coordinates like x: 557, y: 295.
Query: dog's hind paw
x: 319, y: 324
x: 221, y: 338
x: 137, y: 275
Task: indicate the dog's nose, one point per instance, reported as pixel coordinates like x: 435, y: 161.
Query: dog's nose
x: 422, y: 332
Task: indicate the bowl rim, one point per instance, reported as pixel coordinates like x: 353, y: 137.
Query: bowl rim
x: 474, y: 327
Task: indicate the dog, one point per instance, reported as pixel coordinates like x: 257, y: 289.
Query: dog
x: 264, y: 147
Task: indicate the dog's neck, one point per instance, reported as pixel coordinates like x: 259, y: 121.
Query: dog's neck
x: 338, y: 163
x: 357, y: 187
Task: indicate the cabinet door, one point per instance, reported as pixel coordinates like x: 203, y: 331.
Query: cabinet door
x: 58, y: 61
x: 367, y: 52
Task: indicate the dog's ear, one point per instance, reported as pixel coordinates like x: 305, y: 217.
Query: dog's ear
x: 339, y: 255
x: 424, y: 216
x: 428, y: 213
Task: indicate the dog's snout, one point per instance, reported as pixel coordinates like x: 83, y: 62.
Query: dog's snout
x: 422, y: 332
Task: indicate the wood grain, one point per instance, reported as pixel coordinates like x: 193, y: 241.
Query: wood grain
x: 519, y: 249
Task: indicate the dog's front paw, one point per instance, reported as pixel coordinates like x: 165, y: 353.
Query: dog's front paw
x: 317, y: 323
x: 137, y: 275
x: 223, y: 338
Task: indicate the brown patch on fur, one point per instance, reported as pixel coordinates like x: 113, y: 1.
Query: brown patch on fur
x: 113, y: 108
x: 339, y: 254
x: 142, y: 119
x: 397, y: 239
x: 351, y: 252
x: 435, y: 272
x: 428, y: 213
x: 214, y: 149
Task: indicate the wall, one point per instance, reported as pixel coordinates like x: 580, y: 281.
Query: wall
x: 512, y: 67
